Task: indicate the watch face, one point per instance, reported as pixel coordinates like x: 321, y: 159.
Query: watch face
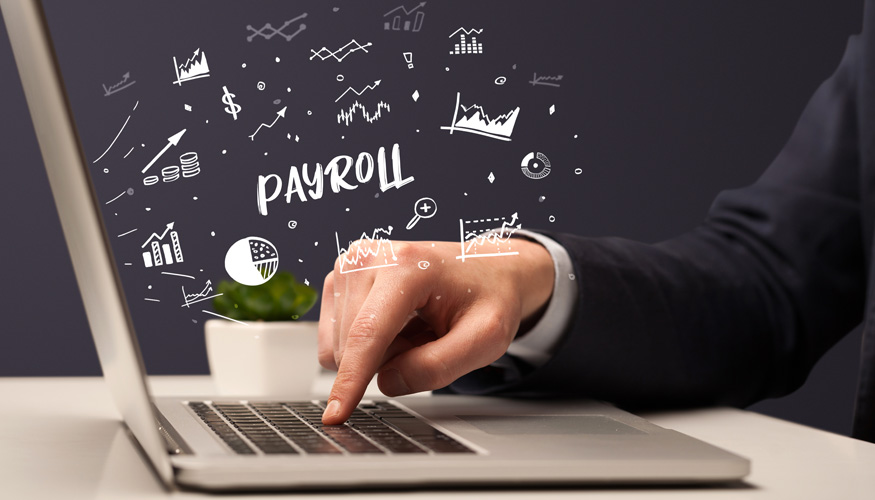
x: 535, y: 165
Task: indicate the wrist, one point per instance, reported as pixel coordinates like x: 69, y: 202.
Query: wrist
x: 535, y: 276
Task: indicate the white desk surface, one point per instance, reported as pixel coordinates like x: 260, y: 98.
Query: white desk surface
x: 60, y: 438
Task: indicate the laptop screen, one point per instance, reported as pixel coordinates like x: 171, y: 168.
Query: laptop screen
x: 229, y: 141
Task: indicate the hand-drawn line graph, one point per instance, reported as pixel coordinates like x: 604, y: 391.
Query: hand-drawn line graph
x: 268, y: 31
x: 550, y: 81
x: 279, y: 114
x: 125, y: 124
x: 479, y: 122
x: 472, y: 240
x: 374, y: 245
x: 359, y: 93
x: 194, y: 298
x: 118, y: 87
x: 395, y: 24
x: 346, y: 115
x: 161, y: 254
x: 324, y: 53
x: 193, y: 68
x: 464, y: 47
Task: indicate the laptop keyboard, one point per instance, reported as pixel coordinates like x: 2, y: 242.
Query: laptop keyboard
x: 296, y: 428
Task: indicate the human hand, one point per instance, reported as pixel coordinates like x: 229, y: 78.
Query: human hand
x: 421, y: 329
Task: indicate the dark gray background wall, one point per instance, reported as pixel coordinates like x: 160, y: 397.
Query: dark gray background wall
x: 682, y: 99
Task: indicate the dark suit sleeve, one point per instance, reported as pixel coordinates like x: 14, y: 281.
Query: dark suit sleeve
x: 738, y: 309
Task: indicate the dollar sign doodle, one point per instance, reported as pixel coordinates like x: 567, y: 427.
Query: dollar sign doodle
x: 232, y: 108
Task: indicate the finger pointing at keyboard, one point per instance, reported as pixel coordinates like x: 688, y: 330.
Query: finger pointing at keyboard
x: 422, y: 326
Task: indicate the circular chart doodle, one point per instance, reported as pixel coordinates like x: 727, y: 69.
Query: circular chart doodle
x: 252, y: 261
x: 501, y: 80
x: 424, y: 264
x: 535, y: 165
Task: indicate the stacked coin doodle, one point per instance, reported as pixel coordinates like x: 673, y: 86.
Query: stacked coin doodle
x: 190, y: 164
x: 152, y: 179
x: 170, y: 173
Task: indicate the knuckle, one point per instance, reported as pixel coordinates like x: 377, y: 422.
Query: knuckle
x: 437, y: 372
x: 362, y: 328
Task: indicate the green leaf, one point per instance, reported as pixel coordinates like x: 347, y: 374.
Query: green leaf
x: 280, y: 299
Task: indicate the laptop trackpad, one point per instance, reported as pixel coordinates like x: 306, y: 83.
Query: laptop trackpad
x: 549, y: 424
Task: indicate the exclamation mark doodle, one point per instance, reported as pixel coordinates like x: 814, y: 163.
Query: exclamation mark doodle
x: 408, y: 57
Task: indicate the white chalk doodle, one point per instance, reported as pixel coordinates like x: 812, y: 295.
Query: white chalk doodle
x: 232, y: 107
x: 252, y: 261
x: 193, y: 68
x: 487, y: 237
x: 279, y: 114
x: 346, y: 115
x: 161, y: 252
x: 359, y: 92
x: 403, y: 19
x: 125, y: 124
x: 173, y: 140
x: 424, y: 208
x: 118, y: 87
x: 268, y: 31
x: 535, y: 165
x: 549, y: 81
x: 463, y: 46
x: 194, y: 298
x: 357, y: 253
x: 352, y: 46
x: 474, y: 120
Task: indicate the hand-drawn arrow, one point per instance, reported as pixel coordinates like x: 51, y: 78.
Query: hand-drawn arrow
x: 173, y: 140
x: 279, y: 114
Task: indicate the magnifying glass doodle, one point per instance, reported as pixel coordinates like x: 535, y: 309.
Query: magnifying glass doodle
x: 424, y: 208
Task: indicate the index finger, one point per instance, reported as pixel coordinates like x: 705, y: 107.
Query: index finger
x: 381, y: 316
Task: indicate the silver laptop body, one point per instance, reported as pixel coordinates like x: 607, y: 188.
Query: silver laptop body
x: 508, y: 442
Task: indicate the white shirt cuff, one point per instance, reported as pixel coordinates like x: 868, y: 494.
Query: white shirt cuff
x: 537, y: 345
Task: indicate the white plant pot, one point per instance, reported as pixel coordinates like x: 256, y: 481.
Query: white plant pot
x: 276, y: 359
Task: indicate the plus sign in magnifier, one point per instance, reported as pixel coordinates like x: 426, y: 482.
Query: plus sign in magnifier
x: 424, y: 208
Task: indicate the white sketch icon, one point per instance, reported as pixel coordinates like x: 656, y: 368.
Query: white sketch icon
x: 267, y: 31
x: 161, y: 252
x: 463, y: 46
x: 474, y: 120
x: 173, y: 140
x: 375, y: 245
x: 279, y: 114
x: 118, y: 87
x: 193, y: 68
x: 396, y: 24
x: 232, y: 107
x: 424, y: 208
x: 346, y: 115
x: 535, y: 165
x: 125, y: 124
x: 252, y: 261
x: 408, y: 58
x: 357, y: 92
x: 484, y: 240
x: 346, y: 50
x: 549, y: 81
x: 194, y: 298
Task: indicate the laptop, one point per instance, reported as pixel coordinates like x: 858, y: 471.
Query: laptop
x: 224, y: 444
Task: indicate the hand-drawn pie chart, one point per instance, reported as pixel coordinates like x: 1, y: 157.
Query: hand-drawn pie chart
x: 252, y: 261
x: 536, y: 165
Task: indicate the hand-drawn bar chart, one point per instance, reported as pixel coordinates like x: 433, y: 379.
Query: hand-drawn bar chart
x: 401, y: 19
x: 465, y: 47
x: 160, y: 252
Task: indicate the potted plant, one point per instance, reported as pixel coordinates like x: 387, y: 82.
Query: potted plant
x: 262, y: 349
